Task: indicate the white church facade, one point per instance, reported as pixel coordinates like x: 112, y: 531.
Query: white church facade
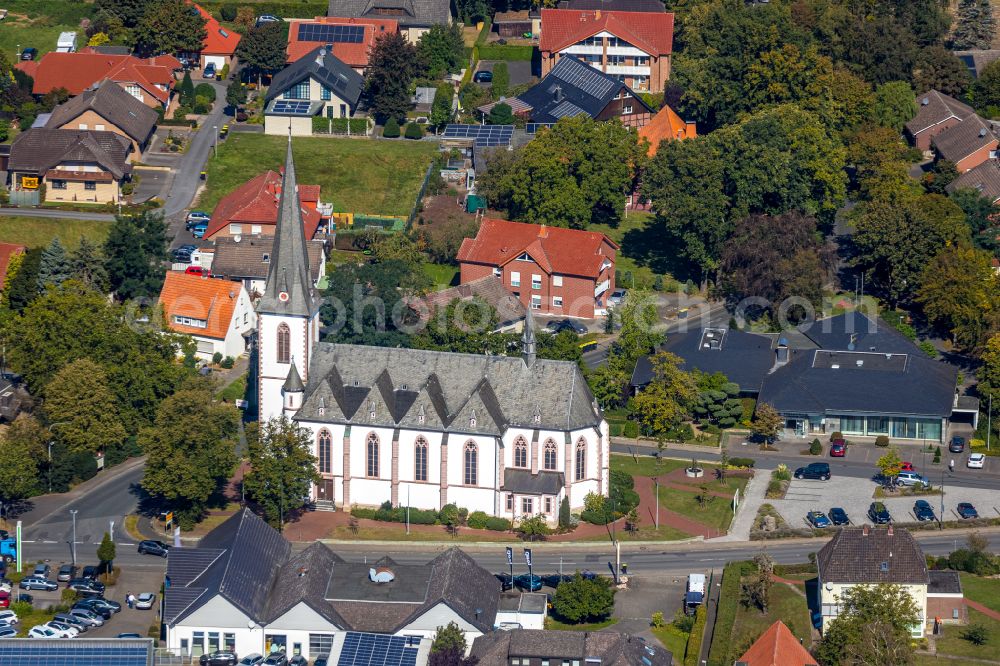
x: 507, y: 435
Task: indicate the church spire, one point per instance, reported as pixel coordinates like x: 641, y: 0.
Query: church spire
x: 289, y: 289
x: 528, y: 339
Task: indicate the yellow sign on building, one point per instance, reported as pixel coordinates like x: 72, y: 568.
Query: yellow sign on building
x: 29, y: 182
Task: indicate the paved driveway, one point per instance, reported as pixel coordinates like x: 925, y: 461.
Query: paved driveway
x: 519, y: 70
x: 854, y: 495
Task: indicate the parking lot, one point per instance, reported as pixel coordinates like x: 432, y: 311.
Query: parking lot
x: 854, y: 495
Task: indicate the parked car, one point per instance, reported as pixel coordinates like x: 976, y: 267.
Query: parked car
x: 838, y: 449
x: 322, y: 660
x: 879, y: 514
x: 86, y: 585
x: 209, y: 71
x: 64, y: 630
x: 905, y: 466
x: 112, y: 606
x: 976, y: 461
x: 910, y: 479
x: 182, y: 254
x: 145, y: 600
x: 8, y: 617
x: 275, y: 659
x: 43, y: 631
x: 8, y: 632
x: 218, y: 658
x: 298, y: 660
x: 42, y: 570
x: 67, y: 572
x: 198, y: 270
x: 151, y: 547
x: 483, y: 76
x: 617, y: 297
x: 967, y: 511
x: 818, y: 519
x: 553, y: 580
x: 91, y: 572
x: 814, y: 471
x: 265, y: 18
x: 37, y: 583
x: 506, y: 582
x: 128, y: 634
x: 4, y: 599
x: 532, y: 584
x: 957, y: 444
x: 87, y: 617
x: 29, y: 53
x: 72, y: 621
x: 922, y: 511
x: 252, y: 659
x: 199, y: 229
x: 94, y: 605
x: 25, y: 598
x: 559, y: 325
x: 195, y: 217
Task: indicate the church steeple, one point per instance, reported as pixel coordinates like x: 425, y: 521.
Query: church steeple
x: 289, y: 289
x: 528, y: 339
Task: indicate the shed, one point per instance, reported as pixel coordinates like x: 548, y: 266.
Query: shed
x: 513, y: 24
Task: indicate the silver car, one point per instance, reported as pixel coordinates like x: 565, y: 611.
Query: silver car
x: 87, y: 617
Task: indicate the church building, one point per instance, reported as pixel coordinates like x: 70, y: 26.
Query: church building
x: 508, y: 435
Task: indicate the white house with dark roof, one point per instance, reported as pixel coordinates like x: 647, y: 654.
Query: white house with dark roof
x: 508, y: 435
x: 244, y: 589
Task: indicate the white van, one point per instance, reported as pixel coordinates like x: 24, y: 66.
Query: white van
x: 695, y: 593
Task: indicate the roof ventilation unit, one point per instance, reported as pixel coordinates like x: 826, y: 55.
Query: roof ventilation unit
x: 381, y: 575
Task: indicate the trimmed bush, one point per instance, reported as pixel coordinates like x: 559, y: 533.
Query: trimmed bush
x: 477, y: 520
x: 815, y: 448
x: 228, y: 12
x: 391, y: 129
x: 205, y: 90
x: 414, y: 131
x: 630, y: 429
x: 228, y: 362
x: 217, y: 358
x: 742, y: 462
x: 882, y: 440
x: 497, y: 524
x: 836, y: 435
x: 693, y: 651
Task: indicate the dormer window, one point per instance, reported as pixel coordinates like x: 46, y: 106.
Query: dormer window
x: 371, y: 409
x: 267, y: 258
x: 525, y: 257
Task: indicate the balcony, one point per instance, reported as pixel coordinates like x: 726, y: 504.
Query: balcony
x: 602, y: 287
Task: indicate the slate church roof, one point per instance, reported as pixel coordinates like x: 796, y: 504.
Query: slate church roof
x: 467, y: 393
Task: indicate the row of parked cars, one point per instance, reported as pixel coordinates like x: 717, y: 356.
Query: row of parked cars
x: 229, y: 658
x: 879, y: 514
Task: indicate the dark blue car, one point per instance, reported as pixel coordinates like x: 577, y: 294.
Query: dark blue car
x: 967, y: 511
x: 818, y: 519
x: 922, y: 511
x: 839, y: 517
x: 532, y: 584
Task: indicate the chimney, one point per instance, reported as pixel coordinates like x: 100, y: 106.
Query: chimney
x: 597, y: 15
x: 543, y: 232
x: 557, y: 94
x: 925, y: 101
x: 781, y: 353
x: 865, y: 529
x: 982, y: 132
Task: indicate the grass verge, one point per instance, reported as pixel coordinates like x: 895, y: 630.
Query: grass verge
x: 39, y: 231
x: 555, y: 625
x: 357, y: 175
x: 673, y: 639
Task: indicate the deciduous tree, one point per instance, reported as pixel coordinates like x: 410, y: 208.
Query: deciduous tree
x: 890, y: 464
x: 501, y: 80
x: 236, y: 94
x: 501, y: 114
x: 666, y: 400
x: 895, y: 104
x: 79, y: 398
x: 583, y: 600
x: 262, y: 49
x: 767, y: 422
x: 87, y: 265
x: 169, y: 26
x: 441, y: 49
x: 960, y: 293
x: 106, y: 551
x: 873, y: 627
x: 449, y: 637
x: 938, y: 68
x: 190, y: 451
x: 985, y: 90
x: 23, y: 288
x: 441, y: 108
x: 392, y: 64
x: 129, y: 11
x: 22, y: 447
x: 282, y: 467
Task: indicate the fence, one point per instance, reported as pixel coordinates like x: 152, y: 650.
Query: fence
x: 25, y: 198
x: 359, y: 221
x: 420, y: 195
x: 345, y: 126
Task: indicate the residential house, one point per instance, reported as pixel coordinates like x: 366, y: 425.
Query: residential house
x: 252, y: 209
x: 984, y: 178
x: 85, y: 166
x: 872, y: 556
x: 552, y: 270
x: 415, y: 17
x: 217, y: 314
x: 317, y: 84
x: 7, y: 253
x: 777, y: 646
x: 244, y: 589
x: 848, y: 374
x: 977, y: 59
x: 613, y: 5
x: 936, y: 112
x: 350, y: 40
x: 509, y: 308
x: 634, y: 47
x: 573, y: 89
x: 107, y: 107
x: 968, y: 144
x: 149, y: 80
x: 507, y: 435
x: 248, y: 259
x: 534, y: 648
x: 219, y: 45
x: 666, y: 125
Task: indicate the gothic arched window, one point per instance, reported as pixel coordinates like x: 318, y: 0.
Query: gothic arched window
x: 284, y: 343
x: 324, y: 451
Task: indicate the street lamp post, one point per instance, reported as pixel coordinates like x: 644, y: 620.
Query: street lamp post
x: 50, y: 466
x: 73, y: 513
x: 215, y: 140
x: 941, y: 517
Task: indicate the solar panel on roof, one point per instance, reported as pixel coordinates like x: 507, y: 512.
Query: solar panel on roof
x: 362, y: 649
x: 331, y: 34
x: 290, y: 106
x: 482, y: 135
x: 82, y: 652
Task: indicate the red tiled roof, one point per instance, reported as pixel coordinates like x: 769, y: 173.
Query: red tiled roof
x: 78, y: 71
x: 653, y: 32
x: 777, y: 646
x: 666, y: 124
x: 8, y: 250
x: 197, y: 297
x: 557, y: 250
x: 353, y: 55
x: 218, y: 40
x: 256, y: 202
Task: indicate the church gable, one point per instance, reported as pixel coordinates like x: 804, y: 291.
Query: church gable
x: 477, y: 415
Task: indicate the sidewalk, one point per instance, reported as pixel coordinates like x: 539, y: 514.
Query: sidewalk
x: 753, y: 497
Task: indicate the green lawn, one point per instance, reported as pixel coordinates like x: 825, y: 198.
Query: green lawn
x: 952, y: 643
x: 39, y: 231
x: 673, y: 639
x: 717, y: 512
x: 38, y: 23
x: 442, y: 275
x: 645, y: 465
x: 633, y: 257
x: 357, y: 176
x: 984, y: 590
